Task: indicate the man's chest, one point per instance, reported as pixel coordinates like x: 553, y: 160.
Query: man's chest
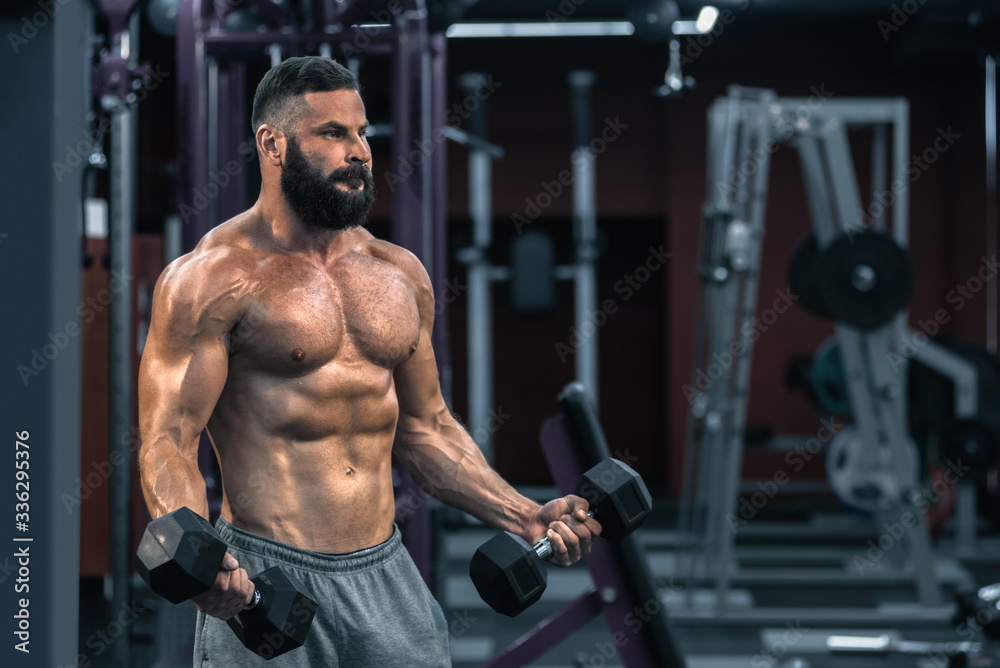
x: 301, y: 317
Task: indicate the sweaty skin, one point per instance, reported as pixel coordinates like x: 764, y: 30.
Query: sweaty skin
x: 307, y: 354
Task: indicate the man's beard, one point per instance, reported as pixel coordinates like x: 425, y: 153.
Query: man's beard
x: 315, y: 197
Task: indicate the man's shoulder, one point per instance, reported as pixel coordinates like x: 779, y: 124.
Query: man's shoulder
x: 399, y: 257
x: 220, y: 262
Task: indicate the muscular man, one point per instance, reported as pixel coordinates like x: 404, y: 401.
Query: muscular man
x: 303, y: 343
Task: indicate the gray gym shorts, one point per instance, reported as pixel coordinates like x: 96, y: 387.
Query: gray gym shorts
x: 374, y: 609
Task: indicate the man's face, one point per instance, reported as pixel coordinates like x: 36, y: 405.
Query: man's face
x: 326, y: 176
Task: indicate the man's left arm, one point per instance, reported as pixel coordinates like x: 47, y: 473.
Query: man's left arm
x: 445, y: 461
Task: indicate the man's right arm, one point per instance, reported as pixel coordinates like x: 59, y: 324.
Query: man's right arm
x: 184, y: 367
x: 183, y: 370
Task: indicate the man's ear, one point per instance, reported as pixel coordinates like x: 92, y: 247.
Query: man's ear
x: 270, y: 144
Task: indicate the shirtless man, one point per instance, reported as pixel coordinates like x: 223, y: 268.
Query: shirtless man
x: 303, y: 343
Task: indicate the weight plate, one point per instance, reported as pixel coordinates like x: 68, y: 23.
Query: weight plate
x: 828, y: 380
x: 864, y: 280
x: 802, y: 276
x: 865, y: 476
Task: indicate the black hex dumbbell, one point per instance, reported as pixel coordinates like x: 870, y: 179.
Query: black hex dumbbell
x: 509, y: 574
x: 179, y: 557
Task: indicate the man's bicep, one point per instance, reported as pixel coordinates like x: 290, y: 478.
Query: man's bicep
x: 418, y: 388
x: 184, y: 368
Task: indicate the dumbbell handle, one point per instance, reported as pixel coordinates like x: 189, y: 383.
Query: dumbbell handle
x: 255, y: 601
x: 543, y: 548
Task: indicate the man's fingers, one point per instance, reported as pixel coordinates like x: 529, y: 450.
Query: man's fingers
x: 570, y: 542
x: 229, y: 563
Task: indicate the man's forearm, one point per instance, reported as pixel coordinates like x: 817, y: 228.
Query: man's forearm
x: 170, y: 480
x: 448, y: 465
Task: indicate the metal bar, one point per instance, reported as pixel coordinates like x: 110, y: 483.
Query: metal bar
x: 122, y: 214
x: 214, y: 139
x: 480, y: 309
x: 439, y: 194
x: 192, y: 125
x: 231, y: 130
x: 754, y: 203
x: 472, y: 141
x: 410, y: 214
x: 124, y: 128
x: 817, y: 190
x: 544, y: 635
x: 379, y: 38
x: 880, y: 150
x: 900, y: 158
x: 585, y: 234
x: 991, y: 198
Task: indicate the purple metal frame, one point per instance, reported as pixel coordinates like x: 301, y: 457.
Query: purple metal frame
x: 418, y: 203
x: 611, y: 593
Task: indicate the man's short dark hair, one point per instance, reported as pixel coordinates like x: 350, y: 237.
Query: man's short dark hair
x: 278, y: 99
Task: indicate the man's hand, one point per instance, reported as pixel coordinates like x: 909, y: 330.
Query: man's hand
x: 566, y: 524
x: 231, y: 592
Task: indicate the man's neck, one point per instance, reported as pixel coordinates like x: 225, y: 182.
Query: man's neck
x: 278, y: 225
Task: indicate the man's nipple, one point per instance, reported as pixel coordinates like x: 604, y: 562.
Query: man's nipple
x: 298, y: 354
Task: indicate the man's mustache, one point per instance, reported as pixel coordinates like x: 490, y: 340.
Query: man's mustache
x: 345, y: 174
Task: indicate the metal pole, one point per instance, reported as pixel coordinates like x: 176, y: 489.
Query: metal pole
x: 192, y: 125
x: 585, y: 234
x: 480, y: 314
x: 991, y: 198
x: 122, y: 216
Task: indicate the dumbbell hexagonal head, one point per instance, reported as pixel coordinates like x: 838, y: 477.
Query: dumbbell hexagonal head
x: 507, y: 573
x: 179, y: 555
x: 618, y: 497
x: 281, y: 625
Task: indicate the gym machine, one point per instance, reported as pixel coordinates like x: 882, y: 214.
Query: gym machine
x: 854, y: 272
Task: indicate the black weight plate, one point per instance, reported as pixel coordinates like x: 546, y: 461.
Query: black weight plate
x: 802, y: 276
x: 892, y: 288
